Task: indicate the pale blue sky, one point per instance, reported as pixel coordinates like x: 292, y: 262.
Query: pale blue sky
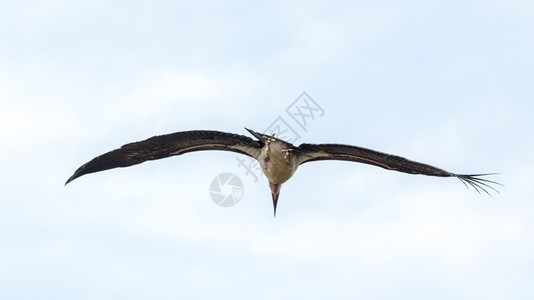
x: 448, y: 83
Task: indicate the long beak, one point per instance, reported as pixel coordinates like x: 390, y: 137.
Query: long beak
x: 275, y: 191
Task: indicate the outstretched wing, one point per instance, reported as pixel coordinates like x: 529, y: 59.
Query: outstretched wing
x: 168, y: 145
x: 315, y: 152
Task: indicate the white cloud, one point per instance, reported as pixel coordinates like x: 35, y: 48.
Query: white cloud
x: 165, y: 90
x: 32, y: 113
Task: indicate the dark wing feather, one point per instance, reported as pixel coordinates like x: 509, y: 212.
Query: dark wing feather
x: 162, y: 146
x: 316, y: 152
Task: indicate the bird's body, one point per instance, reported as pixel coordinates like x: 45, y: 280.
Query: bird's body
x: 278, y: 159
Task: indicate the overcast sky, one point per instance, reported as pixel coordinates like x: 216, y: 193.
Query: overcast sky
x: 449, y: 83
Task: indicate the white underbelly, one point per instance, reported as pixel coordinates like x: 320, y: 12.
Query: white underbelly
x: 279, y: 169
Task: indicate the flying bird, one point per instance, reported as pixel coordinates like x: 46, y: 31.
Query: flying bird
x: 278, y: 159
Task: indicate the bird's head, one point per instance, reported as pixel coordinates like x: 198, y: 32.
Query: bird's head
x: 275, y: 191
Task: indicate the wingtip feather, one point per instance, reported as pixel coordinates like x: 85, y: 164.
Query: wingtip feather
x: 479, y: 184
